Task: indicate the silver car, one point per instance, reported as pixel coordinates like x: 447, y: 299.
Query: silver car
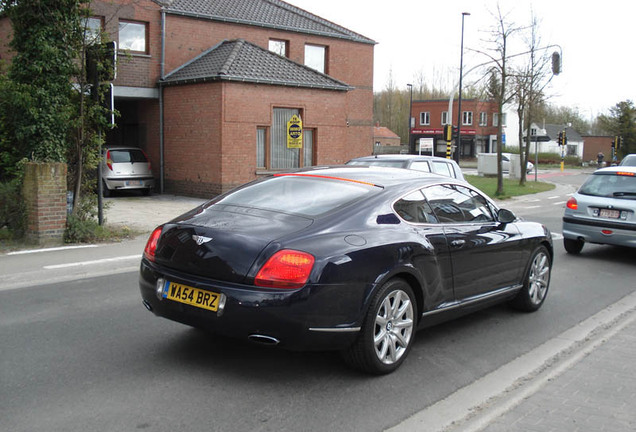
x: 434, y: 164
x: 126, y: 168
x: 629, y: 160
x: 602, y: 211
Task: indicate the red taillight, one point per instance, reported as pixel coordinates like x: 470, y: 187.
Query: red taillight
x: 151, y: 245
x: 109, y: 161
x: 572, y: 204
x: 285, y: 269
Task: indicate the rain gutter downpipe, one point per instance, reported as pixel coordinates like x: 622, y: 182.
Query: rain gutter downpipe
x: 162, y: 75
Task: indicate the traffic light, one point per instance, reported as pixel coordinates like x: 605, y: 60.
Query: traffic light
x: 448, y: 132
x: 619, y: 142
x: 614, y: 143
x: 560, y: 139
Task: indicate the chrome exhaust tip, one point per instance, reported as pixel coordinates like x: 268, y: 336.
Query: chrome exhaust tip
x: 147, y: 305
x: 263, y: 339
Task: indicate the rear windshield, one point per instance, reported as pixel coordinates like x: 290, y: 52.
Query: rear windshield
x: 122, y: 156
x: 303, y: 195
x: 610, y: 185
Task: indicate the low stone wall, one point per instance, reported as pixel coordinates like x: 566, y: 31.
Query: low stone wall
x: 44, y: 192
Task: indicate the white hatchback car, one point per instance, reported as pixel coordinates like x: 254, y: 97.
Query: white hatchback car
x: 126, y: 168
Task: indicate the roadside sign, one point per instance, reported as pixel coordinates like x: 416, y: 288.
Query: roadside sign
x: 295, y: 132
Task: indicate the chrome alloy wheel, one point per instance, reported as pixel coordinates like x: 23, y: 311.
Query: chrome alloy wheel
x: 539, y: 278
x: 393, y: 327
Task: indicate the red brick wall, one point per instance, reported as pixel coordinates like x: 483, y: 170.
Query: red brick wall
x: 595, y: 144
x: 44, y: 193
x: 210, y: 131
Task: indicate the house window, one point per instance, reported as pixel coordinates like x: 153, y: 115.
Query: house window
x: 261, y: 143
x: 316, y: 57
x: 279, y: 47
x: 425, y: 118
x: 92, y: 30
x: 483, y: 119
x: 467, y: 118
x: 277, y: 153
x: 495, y: 119
x: 445, y: 118
x: 133, y: 36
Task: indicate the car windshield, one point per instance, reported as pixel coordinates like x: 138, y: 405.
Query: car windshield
x: 123, y: 156
x: 612, y: 184
x: 300, y: 194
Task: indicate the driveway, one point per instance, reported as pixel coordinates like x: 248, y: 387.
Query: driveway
x: 144, y: 213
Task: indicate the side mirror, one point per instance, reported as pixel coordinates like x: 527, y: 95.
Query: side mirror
x: 506, y: 216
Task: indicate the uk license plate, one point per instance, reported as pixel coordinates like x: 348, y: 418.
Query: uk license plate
x: 609, y: 213
x: 191, y: 296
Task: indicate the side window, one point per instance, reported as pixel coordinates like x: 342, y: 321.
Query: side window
x: 414, y: 208
x: 420, y: 166
x: 443, y: 168
x: 458, y: 204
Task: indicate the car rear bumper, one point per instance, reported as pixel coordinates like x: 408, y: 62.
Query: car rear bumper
x: 599, y: 231
x: 310, y: 318
x: 130, y: 182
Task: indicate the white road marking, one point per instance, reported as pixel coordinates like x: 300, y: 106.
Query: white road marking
x: 84, y: 263
x: 24, y: 252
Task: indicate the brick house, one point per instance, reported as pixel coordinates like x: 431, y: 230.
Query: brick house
x: 383, y: 136
x: 479, y: 126
x: 206, y: 88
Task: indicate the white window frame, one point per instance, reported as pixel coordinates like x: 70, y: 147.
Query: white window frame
x: 483, y: 119
x: 445, y: 118
x: 316, y: 57
x: 133, y: 41
x: 467, y: 118
x: 425, y: 118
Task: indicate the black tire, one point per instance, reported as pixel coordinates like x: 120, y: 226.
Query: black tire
x: 388, y: 330
x: 573, y: 246
x: 536, y: 281
x: 105, y: 191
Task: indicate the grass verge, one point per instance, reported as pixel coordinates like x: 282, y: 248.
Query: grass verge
x: 511, y: 187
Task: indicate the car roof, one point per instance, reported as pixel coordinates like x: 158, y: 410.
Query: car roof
x: 401, y: 157
x: 376, y: 175
x: 616, y: 169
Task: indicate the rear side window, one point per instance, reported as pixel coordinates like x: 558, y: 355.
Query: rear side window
x: 443, y: 168
x: 458, y: 204
x: 612, y: 184
x: 414, y: 208
x: 302, y: 195
x: 123, y: 156
x: 420, y: 166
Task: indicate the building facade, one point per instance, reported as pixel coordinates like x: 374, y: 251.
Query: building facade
x: 479, y: 126
x: 207, y: 88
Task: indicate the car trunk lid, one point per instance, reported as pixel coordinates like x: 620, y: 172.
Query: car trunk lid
x: 222, y: 242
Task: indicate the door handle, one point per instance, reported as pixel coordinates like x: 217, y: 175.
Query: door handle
x: 458, y: 243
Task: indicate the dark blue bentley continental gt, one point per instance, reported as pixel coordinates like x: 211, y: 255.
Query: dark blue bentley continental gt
x: 343, y: 258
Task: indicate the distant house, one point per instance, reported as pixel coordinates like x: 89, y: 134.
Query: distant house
x: 207, y: 88
x: 595, y: 144
x: 479, y: 126
x: 383, y: 136
x: 546, y: 137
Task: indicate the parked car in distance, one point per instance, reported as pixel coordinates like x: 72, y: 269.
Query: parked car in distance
x: 126, y: 168
x: 348, y: 258
x: 629, y: 160
x: 602, y: 211
x: 505, y: 163
x: 434, y: 164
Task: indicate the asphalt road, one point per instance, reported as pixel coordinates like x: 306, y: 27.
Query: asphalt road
x: 82, y: 354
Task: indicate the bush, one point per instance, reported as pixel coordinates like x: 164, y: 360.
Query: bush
x: 12, y: 210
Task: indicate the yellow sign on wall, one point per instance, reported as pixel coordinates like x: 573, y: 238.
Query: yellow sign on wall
x: 295, y: 132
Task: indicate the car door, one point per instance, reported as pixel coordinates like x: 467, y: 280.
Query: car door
x: 485, y: 254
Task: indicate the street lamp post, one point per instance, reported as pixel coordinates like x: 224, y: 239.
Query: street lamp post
x: 459, y: 99
x: 411, y: 148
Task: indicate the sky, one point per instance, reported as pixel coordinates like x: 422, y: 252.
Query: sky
x: 424, y: 37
